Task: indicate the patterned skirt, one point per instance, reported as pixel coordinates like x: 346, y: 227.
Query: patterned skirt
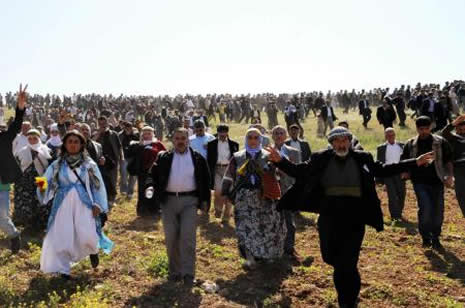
x: 28, y: 211
x: 260, y: 228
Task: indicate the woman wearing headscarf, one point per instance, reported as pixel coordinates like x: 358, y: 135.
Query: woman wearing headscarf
x: 142, y: 156
x: 54, y: 143
x: 33, y: 160
x: 74, y: 230
x: 251, y: 184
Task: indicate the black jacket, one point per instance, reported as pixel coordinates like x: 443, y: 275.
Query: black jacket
x: 307, y: 194
x: 161, y: 173
x: 386, y: 116
x: 212, y: 155
x: 324, y: 113
x: 9, y: 169
x: 304, y: 149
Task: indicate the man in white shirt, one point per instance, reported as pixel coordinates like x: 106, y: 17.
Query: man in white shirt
x: 200, y: 140
x: 21, y: 139
x: 219, y: 153
x: 182, y: 182
x: 389, y: 153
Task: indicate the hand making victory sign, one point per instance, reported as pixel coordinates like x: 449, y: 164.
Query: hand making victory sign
x: 22, y: 97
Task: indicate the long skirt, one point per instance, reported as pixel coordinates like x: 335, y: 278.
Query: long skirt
x: 71, y: 237
x: 28, y: 211
x: 260, y: 228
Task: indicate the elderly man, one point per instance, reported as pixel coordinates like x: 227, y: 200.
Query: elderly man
x: 457, y: 141
x: 182, y: 180
x: 219, y: 152
x: 10, y: 171
x: 279, y: 135
x: 429, y: 182
x: 339, y: 184
x: 200, y: 140
x: 389, y: 153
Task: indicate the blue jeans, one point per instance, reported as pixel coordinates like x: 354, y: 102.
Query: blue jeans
x: 430, y: 200
x: 6, y: 225
x: 127, y: 181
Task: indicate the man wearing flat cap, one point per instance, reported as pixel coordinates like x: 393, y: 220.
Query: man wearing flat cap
x: 429, y: 182
x: 338, y: 183
x: 457, y: 142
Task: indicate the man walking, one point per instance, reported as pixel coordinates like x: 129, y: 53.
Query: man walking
x: 219, y: 151
x: 297, y: 143
x: 457, y: 141
x: 389, y: 153
x: 279, y: 135
x: 182, y: 180
x: 201, y: 138
x: 339, y: 184
x: 429, y: 182
x: 364, y: 110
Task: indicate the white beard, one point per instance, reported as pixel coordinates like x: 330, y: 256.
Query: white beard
x: 342, y: 153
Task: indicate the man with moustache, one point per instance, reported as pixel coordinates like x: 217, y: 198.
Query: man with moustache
x: 339, y: 184
x: 279, y: 135
x: 457, y: 141
x: 182, y: 180
x: 219, y: 151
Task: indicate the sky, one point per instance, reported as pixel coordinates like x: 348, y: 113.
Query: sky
x: 237, y: 46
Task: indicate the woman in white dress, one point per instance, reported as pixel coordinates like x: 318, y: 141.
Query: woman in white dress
x: 74, y: 228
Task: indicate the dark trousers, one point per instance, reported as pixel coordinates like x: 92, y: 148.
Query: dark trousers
x: 145, y: 207
x: 395, y: 187
x: 366, y: 117
x: 340, y: 243
x: 459, y: 174
x: 402, y: 116
x: 289, y: 217
x: 430, y: 200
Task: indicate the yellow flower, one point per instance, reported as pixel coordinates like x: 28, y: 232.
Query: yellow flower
x: 41, y: 182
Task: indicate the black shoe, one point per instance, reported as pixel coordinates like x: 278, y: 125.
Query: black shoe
x: 65, y: 277
x: 426, y: 243
x: 174, y: 278
x: 188, y: 281
x: 436, y: 244
x: 15, y: 244
x: 94, y: 260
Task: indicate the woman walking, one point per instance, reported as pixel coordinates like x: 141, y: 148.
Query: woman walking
x: 74, y: 229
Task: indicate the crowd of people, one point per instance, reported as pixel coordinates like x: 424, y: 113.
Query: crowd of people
x: 67, y: 159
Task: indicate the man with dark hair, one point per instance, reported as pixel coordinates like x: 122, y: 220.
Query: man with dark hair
x: 219, y: 151
x: 10, y: 171
x: 339, y: 184
x: 127, y: 182
x: 364, y: 110
x: 457, y: 141
x: 386, y: 114
x: 113, y: 153
x: 389, y: 153
x: 201, y: 138
x: 297, y: 143
x: 182, y: 180
x: 429, y: 182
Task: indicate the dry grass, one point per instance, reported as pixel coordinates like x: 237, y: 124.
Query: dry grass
x: 395, y: 270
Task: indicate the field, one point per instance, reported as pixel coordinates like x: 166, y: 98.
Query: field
x: 396, y: 271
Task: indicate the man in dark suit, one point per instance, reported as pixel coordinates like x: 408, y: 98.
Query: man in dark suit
x: 295, y: 142
x: 339, y: 184
x: 328, y: 116
x: 364, y: 110
x: 10, y: 171
x: 389, y: 153
x: 219, y: 152
x: 182, y: 180
x: 386, y: 114
x: 113, y: 153
x: 94, y: 149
